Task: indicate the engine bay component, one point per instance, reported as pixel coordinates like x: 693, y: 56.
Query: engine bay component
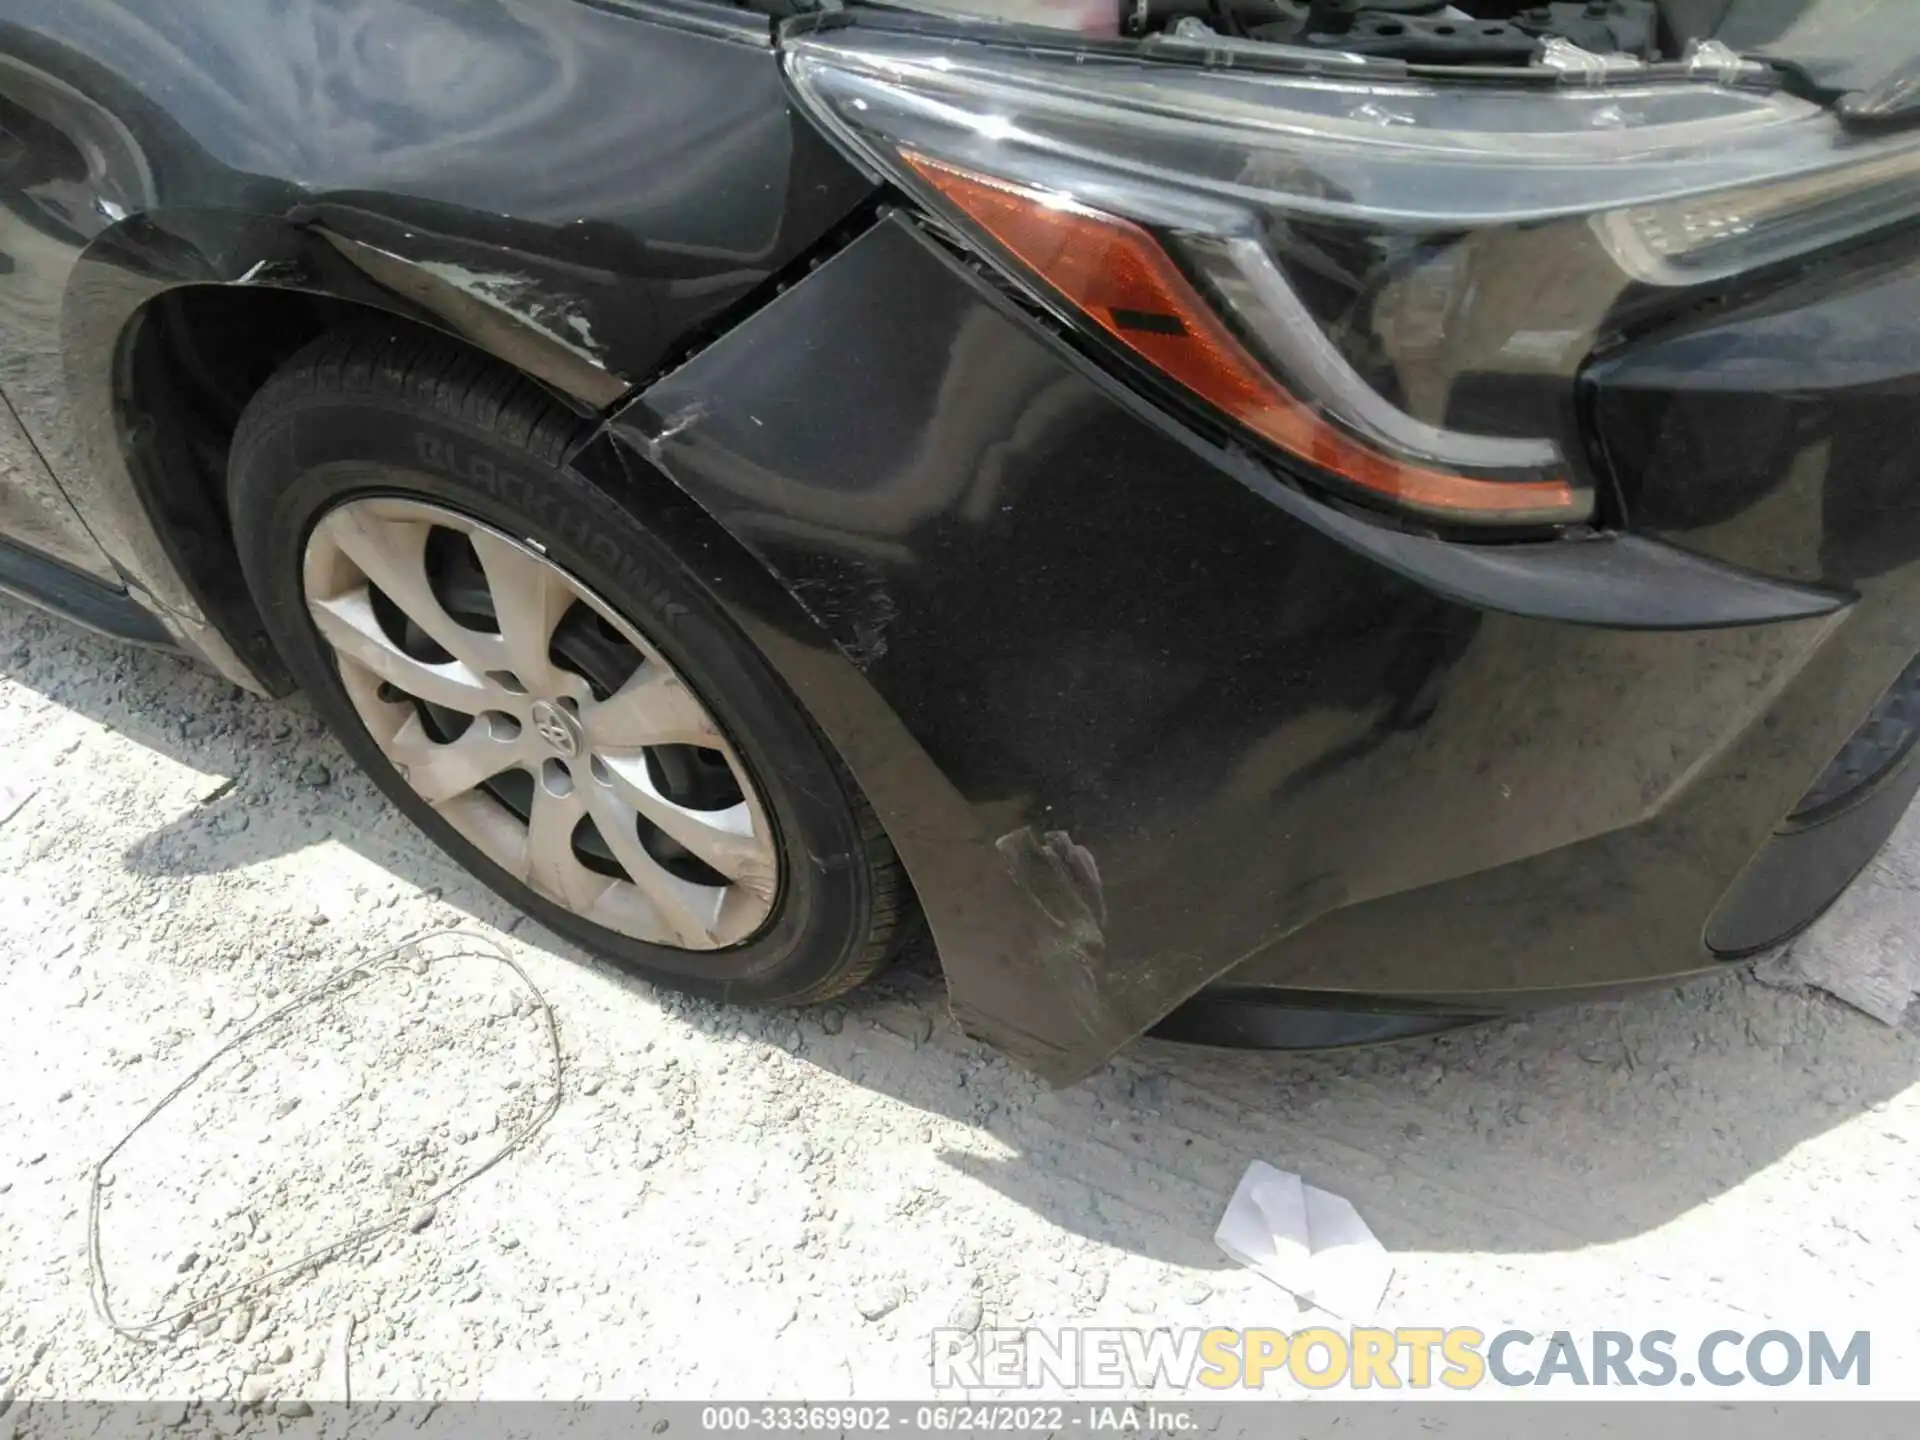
x: 1854, y: 57
x: 1421, y: 31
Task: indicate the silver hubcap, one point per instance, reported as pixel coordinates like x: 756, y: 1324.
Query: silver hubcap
x: 563, y: 783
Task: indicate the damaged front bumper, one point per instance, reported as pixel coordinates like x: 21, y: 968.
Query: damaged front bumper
x: 1146, y: 720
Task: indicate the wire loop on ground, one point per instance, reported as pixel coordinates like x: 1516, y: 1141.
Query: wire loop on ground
x: 339, y: 982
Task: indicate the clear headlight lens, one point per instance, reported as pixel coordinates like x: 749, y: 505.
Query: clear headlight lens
x: 1390, y: 282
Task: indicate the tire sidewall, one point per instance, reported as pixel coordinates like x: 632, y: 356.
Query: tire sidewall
x: 304, y: 458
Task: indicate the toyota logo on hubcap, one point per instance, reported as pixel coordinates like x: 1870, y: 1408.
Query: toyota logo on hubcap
x: 556, y: 727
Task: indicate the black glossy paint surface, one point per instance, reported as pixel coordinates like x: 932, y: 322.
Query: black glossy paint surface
x: 1142, y: 717
x: 580, y: 188
x: 1160, y: 706
x: 1780, y: 436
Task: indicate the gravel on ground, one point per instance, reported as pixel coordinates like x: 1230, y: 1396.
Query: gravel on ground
x: 730, y: 1203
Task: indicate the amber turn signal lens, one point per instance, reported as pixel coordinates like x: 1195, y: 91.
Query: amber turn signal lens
x: 1117, y: 274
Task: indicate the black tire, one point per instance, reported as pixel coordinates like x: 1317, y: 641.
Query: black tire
x: 355, y: 414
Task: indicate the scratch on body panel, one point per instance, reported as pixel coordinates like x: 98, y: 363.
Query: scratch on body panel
x: 522, y: 296
x: 1063, y: 879
x: 676, y: 424
x: 510, y: 315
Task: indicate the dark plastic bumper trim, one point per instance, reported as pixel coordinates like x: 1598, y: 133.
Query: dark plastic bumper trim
x: 1251, y: 1019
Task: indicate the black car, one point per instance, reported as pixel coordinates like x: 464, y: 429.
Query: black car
x: 1286, y: 521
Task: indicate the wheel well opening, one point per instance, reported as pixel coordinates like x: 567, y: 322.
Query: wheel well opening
x: 190, y: 362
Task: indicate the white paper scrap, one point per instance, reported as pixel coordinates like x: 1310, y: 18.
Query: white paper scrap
x: 1307, y: 1241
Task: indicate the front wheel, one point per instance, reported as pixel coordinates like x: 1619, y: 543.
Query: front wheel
x: 541, y: 685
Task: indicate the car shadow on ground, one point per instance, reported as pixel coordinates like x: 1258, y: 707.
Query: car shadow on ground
x: 1572, y: 1127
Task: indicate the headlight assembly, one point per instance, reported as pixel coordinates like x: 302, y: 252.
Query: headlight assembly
x: 1391, y: 281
